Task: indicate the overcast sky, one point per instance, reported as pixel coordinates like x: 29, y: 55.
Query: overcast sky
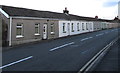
x: 106, y: 9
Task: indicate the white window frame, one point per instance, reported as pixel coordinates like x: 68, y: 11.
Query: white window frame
x: 78, y: 27
x: 83, y: 26
x: 64, y: 28
x: 90, y: 26
x: 52, y: 30
x: 72, y: 27
x: 86, y: 26
x: 19, y: 36
x: 38, y: 25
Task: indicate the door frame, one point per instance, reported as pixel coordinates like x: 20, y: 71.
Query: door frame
x: 45, y: 31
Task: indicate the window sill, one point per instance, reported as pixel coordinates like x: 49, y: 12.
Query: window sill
x: 52, y: 32
x: 37, y: 34
x: 19, y: 36
x: 64, y: 31
x: 72, y: 30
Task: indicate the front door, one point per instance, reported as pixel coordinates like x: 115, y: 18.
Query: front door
x: 68, y: 28
x: 45, y: 31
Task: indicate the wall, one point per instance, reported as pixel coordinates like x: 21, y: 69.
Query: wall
x: 61, y: 33
x: 98, y: 25
x: 55, y: 27
x: 91, y: 26
x: 29, y: 30
x: 5, y: 29
x: 75, y: 28
x: 68, y: 27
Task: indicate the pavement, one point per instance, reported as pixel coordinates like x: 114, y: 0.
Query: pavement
x: 65, y: 54
x: 110, y: 62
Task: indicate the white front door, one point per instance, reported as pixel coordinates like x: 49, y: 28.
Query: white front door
x: 45, y: 31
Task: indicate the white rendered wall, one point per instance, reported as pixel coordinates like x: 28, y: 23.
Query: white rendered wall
x: 68, y: 27
x: 61, y: 34
x: 74, y: 28
x: 85, y: 30
x: 90, y: 26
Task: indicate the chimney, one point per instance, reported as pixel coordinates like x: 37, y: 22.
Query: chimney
x: 116, y: 18
x: 66, y: 11
x: 96, y: 17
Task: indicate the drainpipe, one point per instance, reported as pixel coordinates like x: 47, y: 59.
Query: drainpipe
x: 10, y: 31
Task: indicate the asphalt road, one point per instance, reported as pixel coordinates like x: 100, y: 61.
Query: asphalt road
x: 65, y: 54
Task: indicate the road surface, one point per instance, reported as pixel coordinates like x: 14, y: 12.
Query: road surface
x: 64, y: 54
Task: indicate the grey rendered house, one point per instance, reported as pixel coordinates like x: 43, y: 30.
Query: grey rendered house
x: 25, y: 25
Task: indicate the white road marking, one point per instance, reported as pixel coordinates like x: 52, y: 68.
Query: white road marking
x: 88, y: 50
x: 99, y: 34
x: 86, y: 38
x: 106, y: 32
x: 113, y: 30
x: 61, y: 46
x: 16, y: 62
x: 90, y: 37
x: 85, y: 51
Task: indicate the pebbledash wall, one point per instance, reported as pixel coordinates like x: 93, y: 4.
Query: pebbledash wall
x: 28, y: 30
x: 27, y: 25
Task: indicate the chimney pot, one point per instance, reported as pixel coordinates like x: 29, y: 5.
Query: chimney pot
x: 96, y: 17
x: 66, y: 11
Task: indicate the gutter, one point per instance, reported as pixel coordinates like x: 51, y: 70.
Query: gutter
x: 4, y: 13
x: 22, y: 17
x: 10, y: 32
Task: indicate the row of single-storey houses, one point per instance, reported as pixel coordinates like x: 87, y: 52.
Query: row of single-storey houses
x: 21, y: 25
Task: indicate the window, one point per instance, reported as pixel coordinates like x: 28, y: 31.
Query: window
x: 86, y: 26
x: 78, y: 27
x: 19, y: 30
x: 68, y: 27
x: 37, y: 29
x: 52, y: 28
x: 64, y: 28
x: 72, y: 28
x: 91, y: 26
x: 82, y: 26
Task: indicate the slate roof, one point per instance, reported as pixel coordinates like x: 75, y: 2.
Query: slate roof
x: 23, y: 12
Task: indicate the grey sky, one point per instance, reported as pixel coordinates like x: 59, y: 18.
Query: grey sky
x: 106, y: 9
